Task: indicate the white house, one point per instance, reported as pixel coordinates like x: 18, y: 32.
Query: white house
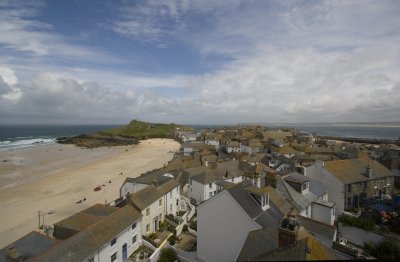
x: 232, y: 147
x: 224, y: 221
x: 102, y: 233
x: 310, y: 196
x: 203, y: 184
x: 188, y: 136
x: 253, y: 146
x: 189, y: 148
x: 156, y: 202
x: 212, y: 142
x: 155, y: 177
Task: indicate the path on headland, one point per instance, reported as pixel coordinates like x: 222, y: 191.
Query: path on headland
x: 69, y: 179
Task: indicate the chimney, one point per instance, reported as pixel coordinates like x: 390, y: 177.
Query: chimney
x: 155, y: 182
x: 13, y: 255
x: 288, y: 232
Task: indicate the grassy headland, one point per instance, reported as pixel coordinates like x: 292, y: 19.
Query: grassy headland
x: 123, y: 135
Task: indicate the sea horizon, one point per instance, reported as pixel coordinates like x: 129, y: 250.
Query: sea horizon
x: 14, y: 136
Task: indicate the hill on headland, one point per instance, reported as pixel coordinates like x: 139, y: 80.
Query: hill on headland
x: 142, y: 130
x: 124, y: 135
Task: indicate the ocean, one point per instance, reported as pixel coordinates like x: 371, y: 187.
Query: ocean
x: 374, y: 131
x: 356, y: 130
x: 21, y: 136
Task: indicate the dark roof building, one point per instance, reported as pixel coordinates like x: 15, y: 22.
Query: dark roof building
x: 27, y: 247
x: 85, y: 243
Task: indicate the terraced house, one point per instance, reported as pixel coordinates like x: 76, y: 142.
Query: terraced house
x: 352, y: 180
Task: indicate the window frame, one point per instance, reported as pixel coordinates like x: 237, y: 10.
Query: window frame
x: 115, y: 256
x: 113, y: 241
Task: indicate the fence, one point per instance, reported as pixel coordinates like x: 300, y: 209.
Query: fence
x: 156, y: 254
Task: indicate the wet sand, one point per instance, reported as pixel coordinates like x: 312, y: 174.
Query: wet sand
x: 55, y: 177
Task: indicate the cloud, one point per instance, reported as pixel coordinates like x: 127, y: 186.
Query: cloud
x: 292, y: 61
x: 24, y: 35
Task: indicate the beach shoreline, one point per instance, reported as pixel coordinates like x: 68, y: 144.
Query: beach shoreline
x: 55, y: 177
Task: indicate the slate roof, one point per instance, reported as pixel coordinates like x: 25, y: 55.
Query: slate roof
x: 85, y: 243
x: 271, y: 217
x: 282, y: 204
x: 150, y: 177
x: 353, y: 170
x: 205, y: 178
x: 168, y: 186
x: 145, y: 197
x: 259, y: 242
x: 29, y: 246
x: 287, y: 150
x: 224, y: 184
x: 305, y: 248
x: 316, y: 190
x: 233, y: 144
x: 317, y: 227
x: 296, y: 179
x: 87, y: 217
x: 217, y: 172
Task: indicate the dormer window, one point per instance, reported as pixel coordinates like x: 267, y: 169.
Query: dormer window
x: 304, y: 187
x: 262, y: 199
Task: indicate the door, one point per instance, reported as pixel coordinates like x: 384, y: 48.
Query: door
x: 124, y: 252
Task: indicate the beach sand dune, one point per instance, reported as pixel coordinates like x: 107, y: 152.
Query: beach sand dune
x: 55, y: 177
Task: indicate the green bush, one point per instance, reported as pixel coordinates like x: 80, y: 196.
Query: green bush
x: 162, y: 226
x: 386, y: 249
x: 193, y: 225
x: 185, y: 228
x: 360, y: 222
x: 172, y: 239
x: 153, y: 236
x: 168, y: 255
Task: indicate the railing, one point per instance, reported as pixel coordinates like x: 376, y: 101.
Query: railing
x: 188, y: 204
x: 156, y: 254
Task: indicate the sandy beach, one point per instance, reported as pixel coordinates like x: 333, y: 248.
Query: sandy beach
x: 55, y: 177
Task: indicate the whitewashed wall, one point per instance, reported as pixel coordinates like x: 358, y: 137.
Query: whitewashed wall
x: 222, y: 228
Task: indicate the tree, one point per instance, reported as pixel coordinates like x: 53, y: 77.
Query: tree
x: 168, y: 255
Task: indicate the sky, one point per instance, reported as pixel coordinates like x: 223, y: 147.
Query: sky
x: 199, y: 61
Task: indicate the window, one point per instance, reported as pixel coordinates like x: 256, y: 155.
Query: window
x: 190, y: 181
x: 134, y: 239
x: 147, y: 228
x: 148, y: 212
x: 264, y: 200
x: 170, y: 207
x: 210, y: 194
x: 114, y: 257
x: 160, y: 202
x: 304, y: 186
x: 348, y: 188
x: 177, y: 202
x: 134, y: 226
x: 113, y: 241
x: 210, y: 185
x: 215, y: 192
x: 170, y: 194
